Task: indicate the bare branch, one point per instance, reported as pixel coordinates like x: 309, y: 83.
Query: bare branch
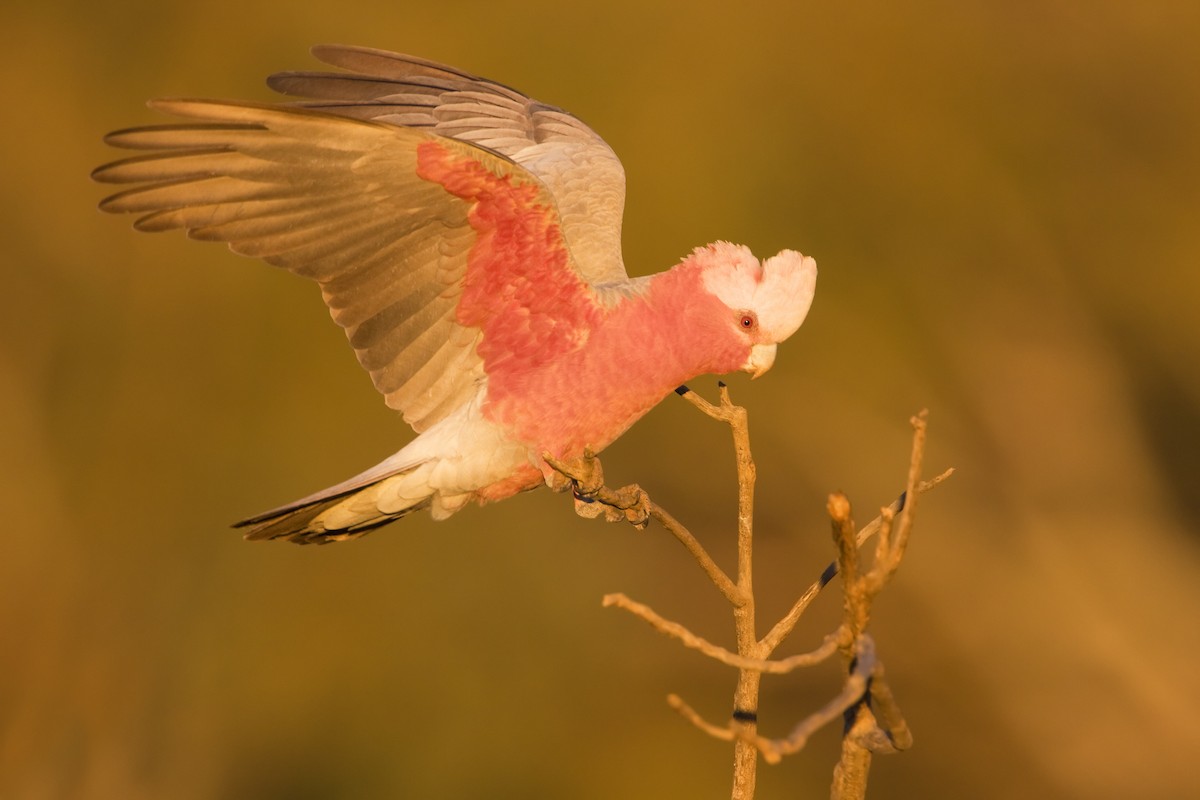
x: 904, y: 528
x: 715, y: 574
x: 677, y: 631
x: 852, y: 691
x: 784, y: 627
x: 690, y: 714
x: 745, y: 694
x: 864, y: 736
x: 888, y: 712
x: 853, y: 602
x: 865, y: 692
x: 850, y: 774
x: 717, y: 412
x: 585, y: 477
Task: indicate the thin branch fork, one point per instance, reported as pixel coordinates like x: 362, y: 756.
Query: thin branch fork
x: 874, y: 722
x: 784, y: 627
x: 688, y: 639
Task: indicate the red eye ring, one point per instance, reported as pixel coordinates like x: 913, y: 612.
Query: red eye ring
x: 748, y: 321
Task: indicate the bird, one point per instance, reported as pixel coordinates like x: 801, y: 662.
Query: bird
x: 467, y: 238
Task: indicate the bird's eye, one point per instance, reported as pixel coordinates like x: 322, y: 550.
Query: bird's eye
x: 748, y: 321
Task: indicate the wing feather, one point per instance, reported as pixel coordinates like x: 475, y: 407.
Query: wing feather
x: 383, y: 281
x: 338, y: 200
x: 203, y: 216
x: 432, y: 392
x: 579, y: 169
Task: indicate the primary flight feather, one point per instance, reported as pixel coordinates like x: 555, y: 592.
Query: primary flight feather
x: 467, y: 238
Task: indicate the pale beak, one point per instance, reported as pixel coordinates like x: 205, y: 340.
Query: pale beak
x: 762, y: 356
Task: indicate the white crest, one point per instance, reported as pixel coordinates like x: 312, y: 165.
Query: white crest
x: 779, y: 290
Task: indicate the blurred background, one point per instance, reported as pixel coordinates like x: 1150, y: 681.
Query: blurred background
x: 1004, y: 199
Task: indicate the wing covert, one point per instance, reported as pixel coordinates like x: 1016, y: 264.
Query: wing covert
x: 578, y: 168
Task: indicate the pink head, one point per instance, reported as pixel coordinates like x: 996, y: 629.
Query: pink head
x: 769, y: 299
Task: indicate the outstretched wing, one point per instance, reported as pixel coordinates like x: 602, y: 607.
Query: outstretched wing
x: 441, y: 261
x: 578, y: 168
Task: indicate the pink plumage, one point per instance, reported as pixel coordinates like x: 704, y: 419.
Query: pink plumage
x: 467, y: 238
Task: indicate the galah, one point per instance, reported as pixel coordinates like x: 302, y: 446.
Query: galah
x: 467, y: 238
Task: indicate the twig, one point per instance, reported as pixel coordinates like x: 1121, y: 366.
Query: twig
x: 887, y: 712
x: 688, y: 639
x: 688, y: 713
x: 774, y: 750
x: 852, y: 691
x: 586, y: 478
x: 864, y: 736
x: 784, y: 627
x: 717, y: 575
x: 864, y: 693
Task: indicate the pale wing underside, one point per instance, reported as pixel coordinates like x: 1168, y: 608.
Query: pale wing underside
x: 581, y: 172
x: 336, y: 200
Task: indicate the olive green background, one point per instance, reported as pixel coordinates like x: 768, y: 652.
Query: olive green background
x: 1004, y: 200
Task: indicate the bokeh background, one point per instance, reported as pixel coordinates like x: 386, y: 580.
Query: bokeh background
x: 1004, y: 199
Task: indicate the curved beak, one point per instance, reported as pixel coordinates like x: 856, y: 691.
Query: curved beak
x: 762, y: 356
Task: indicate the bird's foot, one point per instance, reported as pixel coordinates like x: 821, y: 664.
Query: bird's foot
x: 584, y: 477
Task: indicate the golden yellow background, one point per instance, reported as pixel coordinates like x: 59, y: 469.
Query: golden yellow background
x: 1004, y: 199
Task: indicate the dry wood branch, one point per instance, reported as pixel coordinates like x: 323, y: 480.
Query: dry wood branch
x: 774, y: 750
x: 873, y: 719
x: 891, y: 721
x: 586, y: 478
x: 852, y: 692
x: 688, y: 639
x: 715, y: 574
x: 864, y: 735
x: 784, y: 627
x: 850, y: 774
x: 687, y: 712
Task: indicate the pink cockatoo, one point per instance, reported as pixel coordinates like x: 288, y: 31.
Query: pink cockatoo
x: 467, y: 238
